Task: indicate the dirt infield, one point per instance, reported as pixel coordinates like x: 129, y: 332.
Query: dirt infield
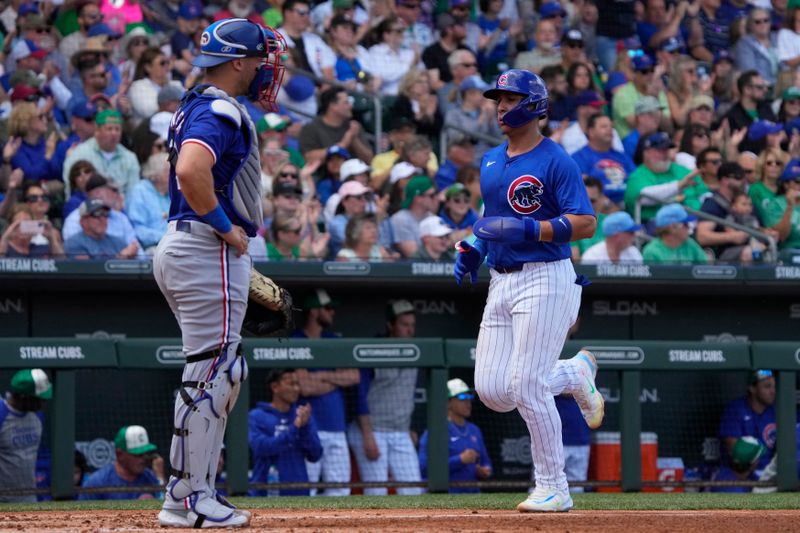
x: 425, y: 520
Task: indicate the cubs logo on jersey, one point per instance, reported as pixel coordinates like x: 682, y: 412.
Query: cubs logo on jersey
x: 524, y: 193
x: 769, y: 434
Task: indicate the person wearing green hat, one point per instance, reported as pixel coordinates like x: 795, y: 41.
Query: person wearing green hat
x: 744, y: 458
x: 132, y: 468
x: 275, y: 127
x: 21, y: 432
x: 419, y: 202
x: 457, y: 211
x: 105, y: 152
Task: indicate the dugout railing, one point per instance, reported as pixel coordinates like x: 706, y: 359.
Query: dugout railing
x: 66, y: 358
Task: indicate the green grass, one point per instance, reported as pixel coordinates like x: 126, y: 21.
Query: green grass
x: 610, y: 502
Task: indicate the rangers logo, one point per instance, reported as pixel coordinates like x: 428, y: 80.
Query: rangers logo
x: 523, y: 194
x: 502, y: 80
x: 205, y: 38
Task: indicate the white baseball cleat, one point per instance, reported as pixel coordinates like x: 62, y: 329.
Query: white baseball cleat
x: 546, y: 501
x: 587, y: 396
x: 174, y: 518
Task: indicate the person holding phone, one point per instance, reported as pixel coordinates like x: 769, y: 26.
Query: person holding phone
x: 17, y: 240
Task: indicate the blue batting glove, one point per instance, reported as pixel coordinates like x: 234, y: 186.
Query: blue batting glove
x: 468, y: 260
x: 507, y: 229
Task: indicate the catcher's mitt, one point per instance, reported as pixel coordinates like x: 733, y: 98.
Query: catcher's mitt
x: 269, y: 309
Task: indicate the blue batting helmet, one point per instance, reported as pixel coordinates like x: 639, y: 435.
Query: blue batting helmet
x: 525, y: 83
x: 230, y: 39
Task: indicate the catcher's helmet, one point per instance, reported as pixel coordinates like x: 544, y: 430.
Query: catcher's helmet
x: 229, y: 39
x: 526, y: 83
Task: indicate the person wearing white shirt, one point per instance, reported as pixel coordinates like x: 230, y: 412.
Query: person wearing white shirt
x: 390, y: 62
x: 788, y: 41
x: 318, y: 56
x: 619, y: 230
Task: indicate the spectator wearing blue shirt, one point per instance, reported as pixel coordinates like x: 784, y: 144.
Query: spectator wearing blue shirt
x: 328, y: 181
x: 134, y: 452
x: 468, y: 459
x: 82, y: 128
x: 182, y: 42
x: 614, y: 166
x: 576, y: 437
x: 745, y: 456
x: 751, y: 416
x: 457, y: 211
x: 27, y: 149
x: 148, y: 203
x: 647, y: 114
x: 324, y: 390
x: 282, y: 434
x: 460, y: 153
x: 93, y: 241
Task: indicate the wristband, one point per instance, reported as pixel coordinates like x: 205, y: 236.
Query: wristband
x: 533, y: 229
x: 217, y: 219
x: 562, y: 230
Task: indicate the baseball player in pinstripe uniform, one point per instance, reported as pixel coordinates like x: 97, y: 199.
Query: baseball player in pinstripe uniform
x: 202, y: 266
x: 535, y: 205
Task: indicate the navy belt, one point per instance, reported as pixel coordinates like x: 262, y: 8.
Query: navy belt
x: 184, y: 226
x: 509, y: 269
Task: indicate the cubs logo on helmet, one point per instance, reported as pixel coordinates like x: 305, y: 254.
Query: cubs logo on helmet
x: 524, y: 193
x: 502, y: 81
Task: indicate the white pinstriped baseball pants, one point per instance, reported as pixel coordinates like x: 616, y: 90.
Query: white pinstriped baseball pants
x: 525, y: 323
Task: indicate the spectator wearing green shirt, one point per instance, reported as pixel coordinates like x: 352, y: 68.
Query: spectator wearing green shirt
x: 600, y: 202
x: 646, y: 82
x: 673, y: 243
x: 764, y: 190
x: 783, y: 212
x: 657, y: 179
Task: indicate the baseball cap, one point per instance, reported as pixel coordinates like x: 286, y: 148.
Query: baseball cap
x: 337, y: 150
x: 28, y: 8
x: 34, y: 21
x: 647, y: 104
x: 398, y: 307
x: 352, y: 167
x: 456, y: 189
x: 341, y: 20
x: 416, y: 186
x: 672, y: 214
x: 342, y: 4
x: 92, y: 205
x: 643, y: 62
x: 32, y: 382
x: 318, y: 298
x: 272, y: 122
x: 700, y: 100
x: 134, y: 440
x: 26, y: 48
x: 722, y: 55
x: 190, y: 10
x: 551, y: 9
x: 159, y: 124
x: 82, y: 109
x: 352, y: 188
x: 444, y: 21
x: 434, y: 226
x: 23, y: 76
x: 761, y: 128
x: 473, y: 82
x: 169, y: 93
x: 572, y: 37
x: 671, y: 45
x: 400, y: 171
x: 108, y: 116
x: 26, y: 93
x: 299, y: 88
x: 458, y: 3
x: 615, y: 79
x: 746, y: 451
x: 759, y: 375
x: 792, y: 93
x: 659, y: 140
x: 101, y: 28
x: 456, y: 386
x: 589, y: 97
x: 791, y: 172
x: 619, y: 222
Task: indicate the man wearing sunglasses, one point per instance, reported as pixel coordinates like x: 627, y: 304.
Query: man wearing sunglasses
x: 646, y: 82
x: 88, y: 14
x: 93, y: 241
x: 674, y: 243
x: 317, y: 56
x: 469, y: 460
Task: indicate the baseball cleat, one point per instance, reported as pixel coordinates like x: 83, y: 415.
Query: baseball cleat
x: 587, y: 396
x: 234, y: 519
x: 173, y: 518
x: 546, y: 501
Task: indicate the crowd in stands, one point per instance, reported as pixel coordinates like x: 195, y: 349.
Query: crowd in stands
x: 662, y: 104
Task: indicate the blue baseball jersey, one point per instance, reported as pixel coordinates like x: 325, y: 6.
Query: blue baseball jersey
x: 543, y: 183
x: 108, y: 477
x: 612, y: 167
x: 197, y: 122
x: 275, y: 440
x: 739, y: 420
x: 327, y: 410
x: 460, y: 438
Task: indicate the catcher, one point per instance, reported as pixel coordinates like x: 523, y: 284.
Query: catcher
x: 202, y: 266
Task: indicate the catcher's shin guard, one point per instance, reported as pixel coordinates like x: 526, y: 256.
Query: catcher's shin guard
x: 208, y: 392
